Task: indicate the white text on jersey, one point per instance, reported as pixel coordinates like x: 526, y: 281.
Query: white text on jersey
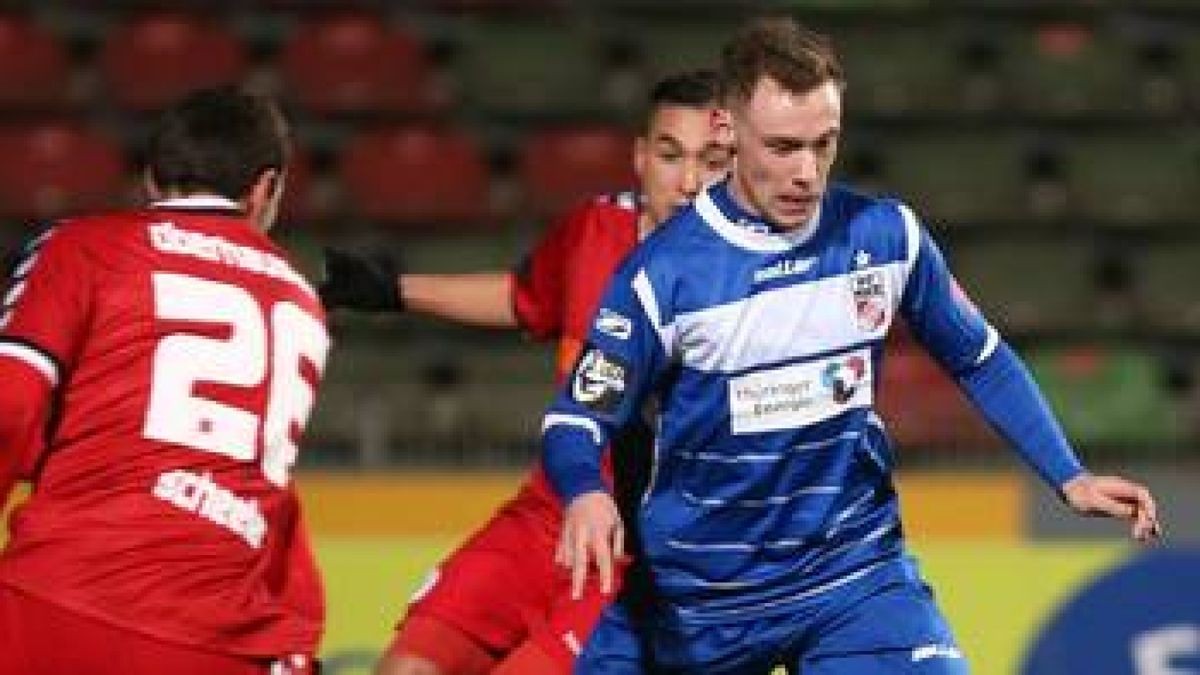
x: 167, y: 237
x: 198, y: 494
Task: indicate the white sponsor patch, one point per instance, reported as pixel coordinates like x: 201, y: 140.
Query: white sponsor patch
x: 800, y: 394
x: 614, y: 324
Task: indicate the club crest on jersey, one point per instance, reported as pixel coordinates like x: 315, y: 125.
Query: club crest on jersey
x: 600, y: 381
x: 614, y: 324
x: 871, y: 305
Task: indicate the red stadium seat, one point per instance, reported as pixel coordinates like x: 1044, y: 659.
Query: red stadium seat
x: 924, y: 409
x: 156, y: 59
x: 34, y: 67
x: 52, y: 169
x: 356, y: 63
x: 298, y: 196
x: 416, y: 175
x: 561, y: 166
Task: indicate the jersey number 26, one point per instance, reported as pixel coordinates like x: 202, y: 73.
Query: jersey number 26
x: 288, y: 337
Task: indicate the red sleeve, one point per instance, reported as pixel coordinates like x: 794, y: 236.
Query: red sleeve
x: 24, y: 409
x: 539, y: 283
x: 46, y: 305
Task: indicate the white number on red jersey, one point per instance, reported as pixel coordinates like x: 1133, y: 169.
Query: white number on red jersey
x: 177, y: 415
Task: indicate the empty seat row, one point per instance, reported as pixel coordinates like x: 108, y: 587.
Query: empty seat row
x: 416, y: 174
x: 347, y: 61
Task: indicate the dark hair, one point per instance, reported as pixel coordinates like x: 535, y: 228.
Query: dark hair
x: 686, y: 89
x: 778, y: 47
x: 218, y: 140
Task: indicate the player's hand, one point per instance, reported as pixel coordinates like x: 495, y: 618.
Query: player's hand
x: 1115, y: 497
x: 368, y: 282
x: 592, y: 532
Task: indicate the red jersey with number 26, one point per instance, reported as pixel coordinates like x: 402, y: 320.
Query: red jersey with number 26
x: 557, y: 291
x: 184, y: 353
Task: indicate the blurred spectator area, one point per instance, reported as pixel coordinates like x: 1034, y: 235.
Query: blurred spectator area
x: 1052, y: 147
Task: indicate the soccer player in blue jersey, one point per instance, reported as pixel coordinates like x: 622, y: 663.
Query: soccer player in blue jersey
x: 755, y: 323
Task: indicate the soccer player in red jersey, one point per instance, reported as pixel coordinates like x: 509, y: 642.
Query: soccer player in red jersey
x: 500, y: 604
x: 159, y: 365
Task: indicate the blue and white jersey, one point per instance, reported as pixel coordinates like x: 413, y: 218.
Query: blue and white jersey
x: 762, y: 350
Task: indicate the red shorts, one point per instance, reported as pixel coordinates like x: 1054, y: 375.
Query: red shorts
x: 502, y: 588
x: 41, y: 638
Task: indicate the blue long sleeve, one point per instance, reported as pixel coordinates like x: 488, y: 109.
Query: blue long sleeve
x: 945, y: 320
x: 1003, y: 390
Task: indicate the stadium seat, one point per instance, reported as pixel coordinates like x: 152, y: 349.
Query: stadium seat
x: 1138, y: 179
x: 152, y: 60
x: 668, y: 47
x: 959, y: 178
x: 299, y: 202
x: 1070, y: 69
x: 1108, y: 395
x: 531, y: 69
x: 922, y: 71
x: 34, y: 66
x: 560, y: 166
x: 356, y: 63
x: 924, y: 409
x: 52, y: 169
x: 416, y: 176
x: 1167, y: 279
x: 1029, y: 284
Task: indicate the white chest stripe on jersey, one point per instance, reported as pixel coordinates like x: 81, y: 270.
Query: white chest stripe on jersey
x: 782, y: 324
x: 33, y: 358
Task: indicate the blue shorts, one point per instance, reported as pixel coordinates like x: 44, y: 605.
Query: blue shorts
x: 887, y: 622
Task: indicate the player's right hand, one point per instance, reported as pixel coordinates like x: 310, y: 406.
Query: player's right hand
x: 592, y: 532
x: 368, y: 282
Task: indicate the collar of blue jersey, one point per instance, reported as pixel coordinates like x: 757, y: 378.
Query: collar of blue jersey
x: 721, y: 211
x: 198, y: 203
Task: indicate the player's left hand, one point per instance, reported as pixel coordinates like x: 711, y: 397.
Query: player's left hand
x: 1115, y: 497
x: 361, y: 281
x: 592, y: 532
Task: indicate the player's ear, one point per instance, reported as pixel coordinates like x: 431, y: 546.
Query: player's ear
x: 261, y: 202
x: 641, y: 155
x: 150, y: 186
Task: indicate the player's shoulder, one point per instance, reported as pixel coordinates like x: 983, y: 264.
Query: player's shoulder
x: 852, y: 205
x: 884, y: 219
x: 602, y: 213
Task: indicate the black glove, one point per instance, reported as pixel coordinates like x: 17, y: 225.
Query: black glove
x: 369, y: 282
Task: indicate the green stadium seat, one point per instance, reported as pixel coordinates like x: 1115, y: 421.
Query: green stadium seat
x: 1108, y: 396
x: 900, y: 70
x: 1029, y: 284
x: 526, y: 68
x: 1070, y: 69
x: 1136, y: 179
x: 1168, y: 284
x: 668, y: 47
x: 959, y: 178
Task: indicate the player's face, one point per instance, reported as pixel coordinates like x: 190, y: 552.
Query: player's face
x: 786, y: 143
x: 683, y: 150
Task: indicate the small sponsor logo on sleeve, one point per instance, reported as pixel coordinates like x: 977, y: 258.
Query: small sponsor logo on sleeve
x: 600, y: 381
x: 614, y: 324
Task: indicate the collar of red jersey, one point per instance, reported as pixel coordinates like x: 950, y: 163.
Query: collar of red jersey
x: 201, y: 202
